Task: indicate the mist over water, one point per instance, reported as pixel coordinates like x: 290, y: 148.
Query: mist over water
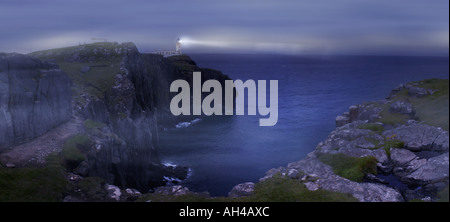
x: 223, y: 151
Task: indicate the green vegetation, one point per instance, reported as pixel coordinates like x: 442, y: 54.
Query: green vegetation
x: 72, y: 150
x: 372, y: 126
x: 374, y: 142
x: 34, y: 184
x: 389, y: 118
x: 189, y: 197
x: 98, y: 78
x: 284, y: 189
x: 443, y: 195
x: 392, y: 143
x: 275, y: 189
x: 93, y: 188
x: 91, y: 124
x: 352, y: 168
x: 432, y: 109
x: 97, y: 81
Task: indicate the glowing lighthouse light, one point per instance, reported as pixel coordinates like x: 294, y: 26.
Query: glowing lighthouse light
x: 178, y: 46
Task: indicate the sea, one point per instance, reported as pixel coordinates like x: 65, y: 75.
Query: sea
x: 223, y: 151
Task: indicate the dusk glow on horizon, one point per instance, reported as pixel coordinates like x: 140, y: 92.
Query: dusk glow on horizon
x: 415, y: 27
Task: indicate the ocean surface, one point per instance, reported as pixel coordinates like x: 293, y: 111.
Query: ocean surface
x: 223, y: 151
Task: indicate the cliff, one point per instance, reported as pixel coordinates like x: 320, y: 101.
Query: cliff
x: 119, y: 99
x: 35, y: 97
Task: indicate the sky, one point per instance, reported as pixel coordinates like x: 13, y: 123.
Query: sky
x: 360, y: 27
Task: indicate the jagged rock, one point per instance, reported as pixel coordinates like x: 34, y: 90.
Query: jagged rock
x: 405, y: 161
x: 114, y: 192
x: 352, y: 141
x: 131, y: 194
x: 395, y: 91
x: 242, y: 190
x: 418, y: 137
x: 435, y: 170
x: 172, y: 190
x: 353, y: 113
x: 402, y: 107
x: 401, y: 157
x: 326, y: 179
x: 342, y: 120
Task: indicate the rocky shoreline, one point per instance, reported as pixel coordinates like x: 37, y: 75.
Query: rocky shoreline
x: 412, y: 157
x: 395, y: 155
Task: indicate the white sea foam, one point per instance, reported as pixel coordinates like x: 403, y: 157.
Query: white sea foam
x: 169, y: 164
x: 187, y: 124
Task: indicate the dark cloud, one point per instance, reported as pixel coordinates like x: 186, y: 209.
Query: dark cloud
x: 308, y: 26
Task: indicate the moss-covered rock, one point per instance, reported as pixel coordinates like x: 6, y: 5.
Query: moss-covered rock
x: 72, y: 151
x: 352, y: 168
x: 285, y: 189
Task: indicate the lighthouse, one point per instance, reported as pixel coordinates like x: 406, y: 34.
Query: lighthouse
x: 178, y: 46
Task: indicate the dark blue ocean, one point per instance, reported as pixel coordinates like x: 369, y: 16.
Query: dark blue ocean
x: 312, y: 90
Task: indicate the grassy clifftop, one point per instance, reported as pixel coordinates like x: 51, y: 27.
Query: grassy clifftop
x: 91, y: 67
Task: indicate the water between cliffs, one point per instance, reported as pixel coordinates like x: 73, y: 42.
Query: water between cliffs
x: 227, y: 150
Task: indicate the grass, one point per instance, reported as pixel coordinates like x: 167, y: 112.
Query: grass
x: 276, y: 189
x: 284, y: 189
x: 432, y: 109
x: 101, y: 76
x: 189, y: 197
x: 93, y: 188
x: 46, y: 184
x: 372, y: 126
x: 352, y: 168
x: 392, y: 143
x: 443, y: 195
x: 374, y: 142
x: 71, y: 153
x: 97, y: 81
x: 389, y: 118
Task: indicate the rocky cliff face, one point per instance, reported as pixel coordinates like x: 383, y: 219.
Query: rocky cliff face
x: 126, y: 94
x: 35, y: 97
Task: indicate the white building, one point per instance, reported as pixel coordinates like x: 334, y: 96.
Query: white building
x: 167, y: 53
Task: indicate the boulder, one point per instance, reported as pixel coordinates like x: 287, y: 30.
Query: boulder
x: 435, y: 170
x: 113, y: 191
x: 402, y: 107
x: 416, y: 91
x: 324, y: 178
x: 242, y: 190
x: 401, y: 157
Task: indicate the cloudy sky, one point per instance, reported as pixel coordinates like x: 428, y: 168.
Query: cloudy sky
x: 380, y: 27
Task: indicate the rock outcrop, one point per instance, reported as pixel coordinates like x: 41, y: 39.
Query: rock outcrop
x: 412, y: 157
x: 35, y: 97
x: 126, y: 93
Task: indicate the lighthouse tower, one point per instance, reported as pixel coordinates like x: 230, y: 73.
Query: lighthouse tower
x: 178, y: 47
